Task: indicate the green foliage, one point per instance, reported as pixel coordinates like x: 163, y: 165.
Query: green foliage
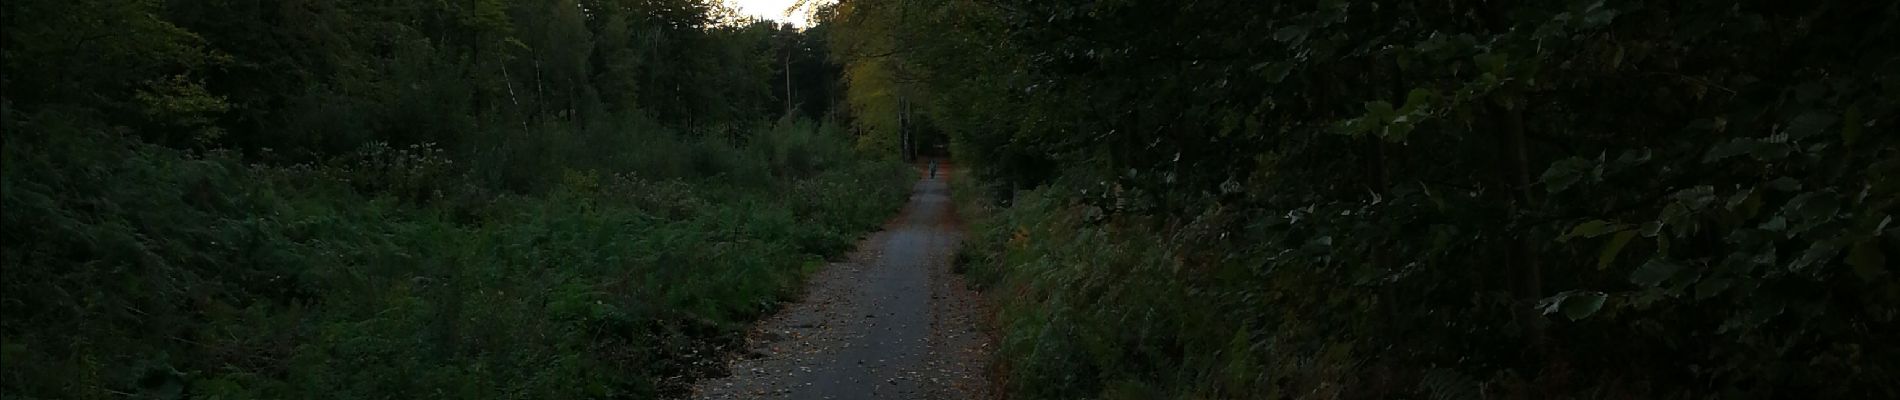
x: 349, y: 199
x: 310, y: 81
x: 134, y: 269
x: 1574, y: 199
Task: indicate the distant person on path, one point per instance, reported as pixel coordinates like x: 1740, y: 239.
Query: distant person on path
x: 933, y: 169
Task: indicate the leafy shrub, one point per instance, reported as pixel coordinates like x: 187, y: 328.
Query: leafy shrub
x: 1408, y: 199
x: 135, y: 269
x: 417, y: 173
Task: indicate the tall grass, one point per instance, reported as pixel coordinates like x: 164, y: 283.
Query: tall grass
x: 612, y: 263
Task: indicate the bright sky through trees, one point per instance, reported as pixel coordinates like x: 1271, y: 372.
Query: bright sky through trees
x: 771, y: 9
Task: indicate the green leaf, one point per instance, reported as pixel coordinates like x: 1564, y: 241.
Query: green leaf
x: 1589, y: 229
x: 1614, y: 247
x: 1397, y: 132
x: 1774, y: 224
x: 1574, y: 304
x: 1740, y: 198
x: 1596, y: 16
x: 1651, y: 228
x: 1630, y: 158
x: 1380, y: 111
x: 1418, y: 99
x: 1867, y: 260
x: 1353, y: 127
x: 1812, y: 206
x: 1731, y: 148
x: 1654, y: 272
x: 1819, y: 251
x: 1274, y: 71
x: 1293, y: 33
x: 1564, y: 173
x: 1809, y: 124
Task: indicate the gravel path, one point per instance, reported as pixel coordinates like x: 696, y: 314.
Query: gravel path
x: 893, y: 322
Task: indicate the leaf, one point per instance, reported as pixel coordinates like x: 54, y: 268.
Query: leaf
x: 1575, y: 304
x: 1579, y: 305
x: 1731, y: 148
x: 1819, y: 251
x: 1417, y: 99
x: 1614, y: 247
x: 1564, y: 173
x: 1598, y: 18
x: 1672, y: 214
x: 1809, y: 124
x: 1651, y: 228
x: 1274, y: 71
x: 1398, y: 131
x: 1867, y: 260
x: 1380, y: 111
x: 1812, y: 206
x: 1630, y: 158
x: 1739, y: 198
x: 1293, y: 33
x: 1654, y: 272
x: 1589, y: 229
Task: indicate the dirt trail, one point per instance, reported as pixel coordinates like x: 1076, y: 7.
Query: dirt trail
x: 892, y: 323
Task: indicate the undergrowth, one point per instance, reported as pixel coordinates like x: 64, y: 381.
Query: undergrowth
x: 137, y: 270
x: 1132, y: 308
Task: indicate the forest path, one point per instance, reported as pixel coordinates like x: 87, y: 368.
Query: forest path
x: 894, y: 322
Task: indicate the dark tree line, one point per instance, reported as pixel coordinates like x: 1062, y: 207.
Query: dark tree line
x: 306, y: 79
x: 1594, y: 199
x: 375, y: 199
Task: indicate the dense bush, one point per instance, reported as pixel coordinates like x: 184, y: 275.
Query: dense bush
x: 358, y: 199
x: 1350, y: 199
x: 135, y: 269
